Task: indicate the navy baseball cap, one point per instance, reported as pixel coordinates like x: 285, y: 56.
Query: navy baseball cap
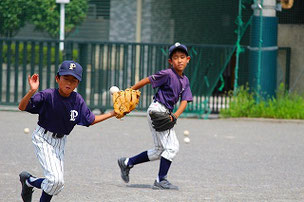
x: 70, y: 67
x: 177, y: 45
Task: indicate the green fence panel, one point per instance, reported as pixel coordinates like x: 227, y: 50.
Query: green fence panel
x: 121, y: 64
x: 83, y: 60
x: 1, y: 68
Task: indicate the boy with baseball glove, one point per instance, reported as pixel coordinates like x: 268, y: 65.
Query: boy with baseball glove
x: 172, y: 86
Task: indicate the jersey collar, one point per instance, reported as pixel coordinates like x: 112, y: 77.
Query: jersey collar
x: 177, y: 73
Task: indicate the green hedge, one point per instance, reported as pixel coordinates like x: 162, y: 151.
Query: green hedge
x: 284, y: 106
x: 29, y: 52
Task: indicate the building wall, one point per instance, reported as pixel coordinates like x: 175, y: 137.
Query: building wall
x: 161, y: 27
x: 292, y: 35
x: 123, y: 21
x: 154, y: 22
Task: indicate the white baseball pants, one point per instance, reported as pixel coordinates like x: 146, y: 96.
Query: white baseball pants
x: 165, y: 143
x: 50, y: 153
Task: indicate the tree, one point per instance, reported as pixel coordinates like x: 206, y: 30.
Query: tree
x: 45, y: 15
x: 13, y: 15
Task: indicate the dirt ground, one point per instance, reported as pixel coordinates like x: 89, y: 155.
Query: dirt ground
x: 226, y: 160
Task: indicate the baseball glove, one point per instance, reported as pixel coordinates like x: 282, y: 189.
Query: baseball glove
x: 162, y: 121
x: 287, y: 4
x: 125, y: 101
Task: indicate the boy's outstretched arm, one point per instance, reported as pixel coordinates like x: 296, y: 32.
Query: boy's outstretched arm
x: 34, y: 84
x: 141, y: 83
x: 181, y: 108
x: 102, y: 117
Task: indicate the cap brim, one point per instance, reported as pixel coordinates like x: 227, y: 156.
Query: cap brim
x: 179, y: 48
x: 69, y: 73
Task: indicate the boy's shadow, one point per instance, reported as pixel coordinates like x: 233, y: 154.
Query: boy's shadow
x: 144, y: 186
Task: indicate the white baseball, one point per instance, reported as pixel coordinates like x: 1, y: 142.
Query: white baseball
x: 26, y: 130
x: 114, y: 89
x: 186, y: 133
x: 187, y: 140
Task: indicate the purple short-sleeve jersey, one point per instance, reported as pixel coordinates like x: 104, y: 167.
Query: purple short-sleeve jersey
x: 171, y: 87
x: 60, y: 114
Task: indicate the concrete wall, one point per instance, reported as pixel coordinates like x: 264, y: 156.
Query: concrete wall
x: 291, y: 35
x: 123, y: 20
x: 154, y: 23
x: 161, y: 29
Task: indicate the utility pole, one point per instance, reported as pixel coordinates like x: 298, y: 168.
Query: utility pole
x: 263, y: 49
x: 62, y: 21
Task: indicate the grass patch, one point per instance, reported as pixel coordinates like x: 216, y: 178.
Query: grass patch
x: 284, y: 106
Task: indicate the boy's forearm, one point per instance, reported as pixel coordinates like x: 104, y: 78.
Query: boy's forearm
x: 181, y: 108
x: 141, y: 83
x: 25, y: 100
x: 102, y: 117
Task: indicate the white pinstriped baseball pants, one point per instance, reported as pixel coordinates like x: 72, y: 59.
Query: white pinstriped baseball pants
x: 165, y: 143
x: 50, y: 153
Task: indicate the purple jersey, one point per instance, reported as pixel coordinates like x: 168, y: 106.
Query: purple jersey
x: 171, y: 87
x: 60, y: 114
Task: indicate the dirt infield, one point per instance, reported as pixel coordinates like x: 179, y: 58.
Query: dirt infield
x: 226, y: 160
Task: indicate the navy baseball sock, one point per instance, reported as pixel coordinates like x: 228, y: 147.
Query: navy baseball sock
x: 45, y: 197
x: 140, y: 158
x: 163, y: 168
x: 35, y: 182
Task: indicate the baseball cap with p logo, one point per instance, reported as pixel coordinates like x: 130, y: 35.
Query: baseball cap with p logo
x: 70, y: 67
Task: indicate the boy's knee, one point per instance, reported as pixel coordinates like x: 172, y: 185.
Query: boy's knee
x: 54, y: 186
x: 155, y: 154
x: 170, y: 153
x: 59, y: 184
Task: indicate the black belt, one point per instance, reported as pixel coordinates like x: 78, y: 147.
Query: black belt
x: 55, y: 135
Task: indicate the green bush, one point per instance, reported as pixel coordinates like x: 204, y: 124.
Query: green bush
x: 13, y: 54
x: 284, y: 106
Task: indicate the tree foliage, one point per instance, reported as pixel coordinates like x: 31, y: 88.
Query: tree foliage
x: 13, y: 15
x: 44, y: 14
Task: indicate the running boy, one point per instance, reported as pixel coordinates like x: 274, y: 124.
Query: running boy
x: 172, y: 85
x: 59, y: 111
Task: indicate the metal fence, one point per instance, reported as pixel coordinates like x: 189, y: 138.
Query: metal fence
x: 106, y: 64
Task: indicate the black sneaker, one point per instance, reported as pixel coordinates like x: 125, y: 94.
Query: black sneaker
x: 124, y: 169
x: 27, y: 191
x: 164, y: 184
